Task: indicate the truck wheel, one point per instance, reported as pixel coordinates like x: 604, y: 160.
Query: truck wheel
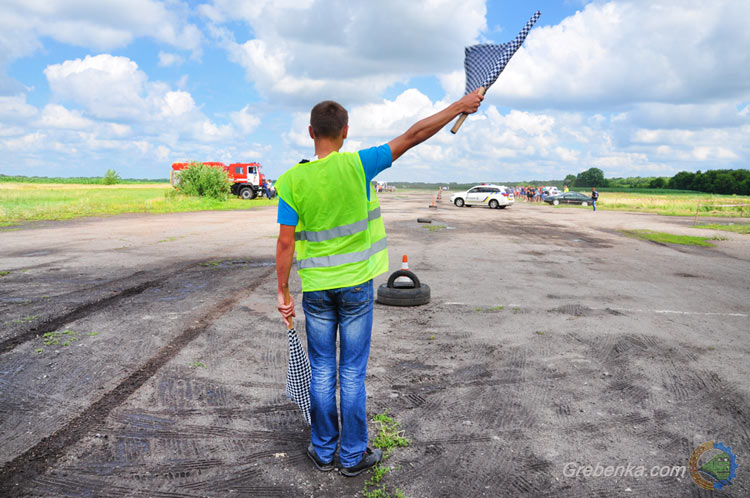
x: 494, y: 204
x: 247, y: 193
x: 459, y: 202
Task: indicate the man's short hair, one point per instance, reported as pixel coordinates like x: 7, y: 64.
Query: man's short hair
x: 328, y: 119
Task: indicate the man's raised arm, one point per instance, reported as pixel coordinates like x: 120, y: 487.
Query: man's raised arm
x: 427, y: 127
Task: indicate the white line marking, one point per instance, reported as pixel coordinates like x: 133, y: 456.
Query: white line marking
x: 704, y: 313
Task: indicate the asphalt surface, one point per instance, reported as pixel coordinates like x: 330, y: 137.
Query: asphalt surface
x: 143, y: 356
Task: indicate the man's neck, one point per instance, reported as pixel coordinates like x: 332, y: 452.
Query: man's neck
x: 324, y: 147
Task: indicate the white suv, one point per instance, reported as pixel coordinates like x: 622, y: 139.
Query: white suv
x: 494, y: 196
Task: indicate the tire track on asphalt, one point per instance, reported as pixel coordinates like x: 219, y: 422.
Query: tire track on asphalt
x: 35, y: 461
x: 82, y: 311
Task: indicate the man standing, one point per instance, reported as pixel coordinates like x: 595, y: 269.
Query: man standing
x: 594, y: 197
x: 330, y: 216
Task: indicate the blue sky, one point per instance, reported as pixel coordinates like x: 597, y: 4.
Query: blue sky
x: 636, y: 88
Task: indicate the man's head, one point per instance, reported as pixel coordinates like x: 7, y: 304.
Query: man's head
x: 328, y: 119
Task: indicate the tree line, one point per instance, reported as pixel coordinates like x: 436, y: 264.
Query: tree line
x: 715, y: 181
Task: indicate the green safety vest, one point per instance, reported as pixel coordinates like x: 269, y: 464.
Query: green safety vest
x: 340, y: 237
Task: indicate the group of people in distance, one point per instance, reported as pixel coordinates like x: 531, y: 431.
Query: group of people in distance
x: 535, y: 194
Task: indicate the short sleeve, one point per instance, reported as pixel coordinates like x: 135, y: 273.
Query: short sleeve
x: 375, y: 160
x: 286, y: 215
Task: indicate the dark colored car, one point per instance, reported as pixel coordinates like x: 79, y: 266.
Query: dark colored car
x: 569, y: 198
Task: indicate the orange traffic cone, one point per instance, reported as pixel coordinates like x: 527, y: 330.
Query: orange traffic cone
x: 403, y: 281
x: 440, y: 195
x: 433, y: 205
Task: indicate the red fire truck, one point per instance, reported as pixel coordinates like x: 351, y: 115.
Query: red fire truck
x: 247, y: 178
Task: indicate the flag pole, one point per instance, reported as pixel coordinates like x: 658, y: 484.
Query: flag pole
x: 463, y: 116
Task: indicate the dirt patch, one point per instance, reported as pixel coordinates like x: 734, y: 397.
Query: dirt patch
x: 41, y: 456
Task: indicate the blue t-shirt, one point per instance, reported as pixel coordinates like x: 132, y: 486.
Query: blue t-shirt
x: 374, y: 160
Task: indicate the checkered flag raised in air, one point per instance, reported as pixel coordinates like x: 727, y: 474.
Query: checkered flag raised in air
x: 298, y: 375
x: 486, y: 61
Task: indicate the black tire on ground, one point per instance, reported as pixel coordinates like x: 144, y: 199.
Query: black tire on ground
x: 459, y: 202
x: 247, y: 193
x: 403, y: 296
x: 494, y: 204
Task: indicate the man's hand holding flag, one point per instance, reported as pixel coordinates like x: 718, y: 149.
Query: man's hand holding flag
x: 485, y: 62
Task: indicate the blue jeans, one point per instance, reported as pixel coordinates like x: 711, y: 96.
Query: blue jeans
x: 593, y: 203
x: 348, y: 309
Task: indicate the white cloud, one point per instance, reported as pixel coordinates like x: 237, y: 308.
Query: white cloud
x: 96, y: 25
x: 633, y: 51
x: 177, y: 103
x: 306, y: 51
x: 15, y: 109
x: 245, y: 120
x: 57, y: 116
x: 108, y: 86
x: 167, y: 59
x: 103, y: 25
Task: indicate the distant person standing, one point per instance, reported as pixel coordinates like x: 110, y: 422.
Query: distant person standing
x: 594, y: 197
x: 566, y: 189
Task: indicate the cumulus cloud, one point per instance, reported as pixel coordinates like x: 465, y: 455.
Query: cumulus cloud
x: 616, y: 53
x: 167, y: 59
x: 106, y: 105
x: 56, y: 116
x: 245, y: 120
x: 107, y: 86
x: 99, y: 26
x: 304, y: 51
x: 15, y: 109
x: 104, y: 25
x: 514, y: 144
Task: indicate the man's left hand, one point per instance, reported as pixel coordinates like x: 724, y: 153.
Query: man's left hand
x: 286, y: 309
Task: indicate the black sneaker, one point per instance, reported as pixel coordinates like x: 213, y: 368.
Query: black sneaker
x: 323, y: 467
x: 369, y: 459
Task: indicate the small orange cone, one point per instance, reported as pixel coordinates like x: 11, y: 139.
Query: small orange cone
x: 440, y: 195
x: 403, y: 281
x: 433, y: 205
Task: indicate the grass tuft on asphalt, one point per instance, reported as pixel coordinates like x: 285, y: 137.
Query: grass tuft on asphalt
x: 390, y: 436
x: 669, y: 238
x: 743, y: 229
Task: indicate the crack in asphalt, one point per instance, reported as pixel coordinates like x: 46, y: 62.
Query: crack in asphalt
x: 36, y: 460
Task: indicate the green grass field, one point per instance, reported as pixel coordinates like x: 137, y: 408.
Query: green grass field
x: 80, y: 180
x: 25, y: 202
x: 672, y: 203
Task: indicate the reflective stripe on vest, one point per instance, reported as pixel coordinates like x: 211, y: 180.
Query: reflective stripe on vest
x: 340, y: 231
x: 342, y: 259
x: 340, y: 238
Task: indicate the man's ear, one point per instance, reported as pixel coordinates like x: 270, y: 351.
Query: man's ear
x: 345, y: 132
x: 309, y: 129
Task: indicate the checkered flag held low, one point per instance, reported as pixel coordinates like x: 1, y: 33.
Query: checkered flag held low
x: 485, y: 62
x: 298, y: 375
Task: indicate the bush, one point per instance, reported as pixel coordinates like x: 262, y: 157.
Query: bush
x: 111, y: 177
x: 204, y: 181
